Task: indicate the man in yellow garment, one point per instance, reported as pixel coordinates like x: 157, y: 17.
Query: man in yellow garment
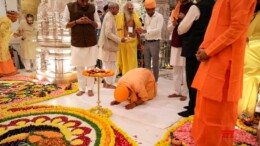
x: 251, y: 78
x: 7, y: 67
x: 137, y: 86
x: 127, y: 22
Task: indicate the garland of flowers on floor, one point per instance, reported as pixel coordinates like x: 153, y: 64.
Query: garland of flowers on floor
x: 179, y: 134
x: 56, y: 125
x: 24, y: 90
x: 242, y: 126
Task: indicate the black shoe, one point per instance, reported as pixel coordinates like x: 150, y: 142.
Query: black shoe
x: 186, y: 107
x: 186, y: 113
x: 120, y: 74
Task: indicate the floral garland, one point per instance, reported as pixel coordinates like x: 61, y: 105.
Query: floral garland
x: 105, y: 111
x: 242, y: 137
x: 64, y: 122
x: 242, y: 126
x: 53, y: 92
x: 165, y: 140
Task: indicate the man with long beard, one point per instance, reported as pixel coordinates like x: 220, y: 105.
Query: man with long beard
x: 127, y: 22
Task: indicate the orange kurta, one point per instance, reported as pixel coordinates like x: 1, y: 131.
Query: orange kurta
x: 141, y: 82
x: 224, y: 42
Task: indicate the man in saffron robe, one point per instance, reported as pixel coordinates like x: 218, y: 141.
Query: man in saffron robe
x: 7, y: 67
x: 137, y: 86
x: 220, y: 75
x: 127, y: 22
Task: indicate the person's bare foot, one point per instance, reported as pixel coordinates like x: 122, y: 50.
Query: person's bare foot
x: 80, y: 93
x: 105, y: 84
x: 109, y: 86
x: 114, y: 103
x: 174, y: 95
x: 112, y: 87
x: 183, y: 98
x: 130, y: 106
x: 90, y: 93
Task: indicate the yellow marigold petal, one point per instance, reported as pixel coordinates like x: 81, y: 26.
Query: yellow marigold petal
x: 76, y: 142
x: 40, y: 120
x: 2, y: 130
x: 77, y: 132
x: 56, y: 121
x: 69, y: 124
x: 21, y: 123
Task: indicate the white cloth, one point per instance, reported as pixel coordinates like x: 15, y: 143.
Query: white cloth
x: 29, y: 43
x: 108, y: 55
x: 110, y: 65
x: 85, y: 56
x: 83, y: 81
x: 108, y: 32
x: 179, y: 81
x: 108, y: 38
x: 153, y: 25
x: 29, y: 64
x: 66, y: 17
x: 192, y: 15
x: 176, y: 59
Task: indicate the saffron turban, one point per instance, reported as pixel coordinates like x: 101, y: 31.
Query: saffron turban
x: 149, y: 4
x: 13, y: 14
x: 121, y: 93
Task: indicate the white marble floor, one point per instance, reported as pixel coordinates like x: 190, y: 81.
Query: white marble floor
x: 146, y: 124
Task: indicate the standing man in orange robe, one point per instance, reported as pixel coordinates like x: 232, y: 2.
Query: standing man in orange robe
x: 220, y: 75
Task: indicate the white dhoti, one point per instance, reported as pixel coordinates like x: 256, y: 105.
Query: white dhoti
x: 179, y: 74
x: 84, y: 58
x: 176, y: 59
x: 109, y: 62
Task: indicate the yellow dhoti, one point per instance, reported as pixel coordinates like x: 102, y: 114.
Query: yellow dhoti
x: 127, y: 56
x: 251, y: 79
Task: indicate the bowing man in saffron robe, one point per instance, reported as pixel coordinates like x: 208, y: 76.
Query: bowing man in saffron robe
x: 219, y: 78
x: 136, y: 86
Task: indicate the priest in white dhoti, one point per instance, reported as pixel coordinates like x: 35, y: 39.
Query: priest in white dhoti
x: 28, y: 33
x: 82, y: 18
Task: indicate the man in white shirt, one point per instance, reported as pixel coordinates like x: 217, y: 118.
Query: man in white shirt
x: 82, y: 18
x: 152, y: 30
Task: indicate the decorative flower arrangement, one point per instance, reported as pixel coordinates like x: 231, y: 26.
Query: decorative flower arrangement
x: 249, y: 129
x: 56, y: 125
x: 21, y: 90
x: 104, y: 111
x: 96, y: 72
x: 182, y: 131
